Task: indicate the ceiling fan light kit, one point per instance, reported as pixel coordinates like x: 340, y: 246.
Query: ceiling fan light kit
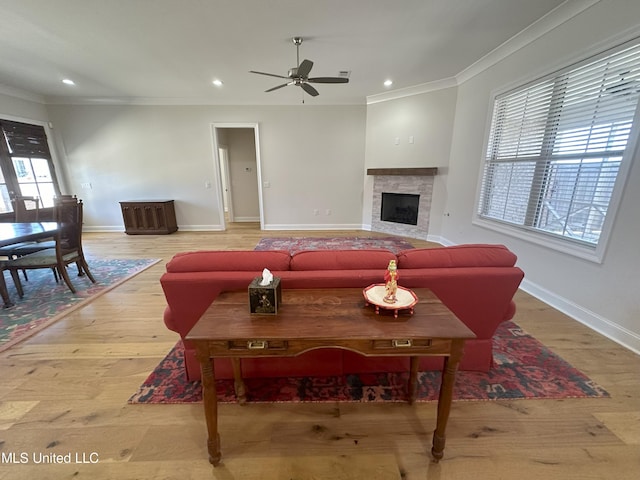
x: 299, y: 76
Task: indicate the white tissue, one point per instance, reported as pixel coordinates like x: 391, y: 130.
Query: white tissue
x: 267, y: 277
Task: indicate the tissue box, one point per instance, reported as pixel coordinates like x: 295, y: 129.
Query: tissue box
x: 265, y: 299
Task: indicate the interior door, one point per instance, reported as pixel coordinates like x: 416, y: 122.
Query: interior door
x: 227, y: 198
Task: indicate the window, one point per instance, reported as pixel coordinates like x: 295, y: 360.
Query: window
x: 26, y: 167
x: 556, y: 148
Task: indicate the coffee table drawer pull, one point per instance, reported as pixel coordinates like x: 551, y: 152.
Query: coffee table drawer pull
x: 401, y: 343
x: 257, y: 345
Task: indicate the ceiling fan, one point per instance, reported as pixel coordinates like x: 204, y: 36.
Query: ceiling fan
x: 300, y: 75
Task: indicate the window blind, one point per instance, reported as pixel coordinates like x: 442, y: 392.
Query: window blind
x: 556, y: 145
x: 26, y: 163
x: 24, y: 139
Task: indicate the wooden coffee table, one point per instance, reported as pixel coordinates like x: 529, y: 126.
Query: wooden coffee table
x: 327, y: 318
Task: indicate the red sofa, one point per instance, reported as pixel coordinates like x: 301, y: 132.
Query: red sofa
x: 477, y: 282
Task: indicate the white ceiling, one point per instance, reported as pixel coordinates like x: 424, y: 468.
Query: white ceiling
x: 169, y: 51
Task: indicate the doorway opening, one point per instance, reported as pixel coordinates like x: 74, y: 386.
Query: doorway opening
x: 237, y: 163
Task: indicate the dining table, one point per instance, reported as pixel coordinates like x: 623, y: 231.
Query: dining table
x: 14, y: 233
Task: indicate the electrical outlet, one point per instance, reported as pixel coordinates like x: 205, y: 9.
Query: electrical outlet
x: 327, y: 211
x: 316, y: 211
x: 86, y: 186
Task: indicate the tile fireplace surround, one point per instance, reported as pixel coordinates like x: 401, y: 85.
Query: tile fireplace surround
x: 416, y: 181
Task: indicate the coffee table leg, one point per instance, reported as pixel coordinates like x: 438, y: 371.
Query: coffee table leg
x: 444, y: 399
x: 238, y: 381
x: 413, y: 380
x: 210, y: 401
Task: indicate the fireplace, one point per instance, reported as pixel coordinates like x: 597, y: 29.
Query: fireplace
x: 400, y: 208
x: 411, y: 189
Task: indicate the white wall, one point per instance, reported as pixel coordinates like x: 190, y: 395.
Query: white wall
x: 428, y: 118
x: 12, y: 106
x: 311, y: 156
x: 605, y: 296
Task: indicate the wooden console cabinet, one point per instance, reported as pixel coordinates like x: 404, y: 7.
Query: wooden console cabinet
x: 149, y: 217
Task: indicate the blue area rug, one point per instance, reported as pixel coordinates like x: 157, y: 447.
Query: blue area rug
x: 46, y: 301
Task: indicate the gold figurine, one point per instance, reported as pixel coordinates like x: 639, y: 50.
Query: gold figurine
x: 391, y: 283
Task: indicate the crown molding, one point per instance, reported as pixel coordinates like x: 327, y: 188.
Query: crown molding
x: 556, y: 17
x: 177, y: 101
x: 559, y: 15
x: 21, y: 94
x: 411, y: 91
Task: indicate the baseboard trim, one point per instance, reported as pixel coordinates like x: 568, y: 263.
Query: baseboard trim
x: 595, y: 322
x: 598, y: 323
x: 103, y: 229
x: 120, y: 228
x: 307, y: 227
x: 201, y: 228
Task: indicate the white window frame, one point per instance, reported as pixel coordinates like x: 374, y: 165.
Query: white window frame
x: 562, y: 244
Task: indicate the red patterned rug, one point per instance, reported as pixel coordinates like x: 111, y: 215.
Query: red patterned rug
x: 525, y: 369
x: 291, y: 244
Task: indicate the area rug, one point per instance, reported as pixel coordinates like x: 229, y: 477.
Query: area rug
x: 293, y: 245
x: 46, y: 301
x: 525, y: 369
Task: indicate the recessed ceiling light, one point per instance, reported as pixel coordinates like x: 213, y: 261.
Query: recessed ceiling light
x: 217, y: 82
x: 68, y: 81
x: 388, y: 83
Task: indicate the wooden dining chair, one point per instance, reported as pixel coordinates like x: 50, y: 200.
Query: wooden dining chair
x: 65, y: 198
x: 67, y: 250
x: 4, y: 293
x: 26, y: 209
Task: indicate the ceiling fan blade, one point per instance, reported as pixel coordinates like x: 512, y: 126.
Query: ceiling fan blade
x: 276, y: 88
x: 329, y: 80
x: 309, y: 89
x: 268, y: 74
x: 304, y: 68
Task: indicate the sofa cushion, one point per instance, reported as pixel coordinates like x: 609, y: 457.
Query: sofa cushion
x: 341, y: 260
x: 331, y: 278
x: 229, y: 261
x: 472, y: 255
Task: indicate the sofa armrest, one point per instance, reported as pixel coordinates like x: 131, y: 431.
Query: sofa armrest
x: 189, y: 294
x: 481, y: 298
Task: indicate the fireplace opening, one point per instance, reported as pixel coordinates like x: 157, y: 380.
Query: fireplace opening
x: 400, y: 208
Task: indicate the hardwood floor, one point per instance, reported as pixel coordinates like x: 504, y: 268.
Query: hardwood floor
x: 65, y: 390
